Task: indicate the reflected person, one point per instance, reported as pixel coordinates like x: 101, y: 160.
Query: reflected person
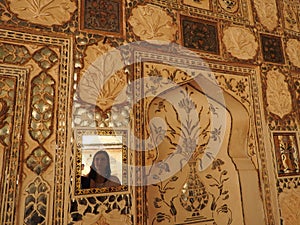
x: 100, y: 173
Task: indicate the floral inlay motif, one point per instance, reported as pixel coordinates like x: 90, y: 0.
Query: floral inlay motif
x: 278, y: 95
x: 272, y: 49
x: 14, y: 54
x: 3, y: 124
x: 94, y: 210
x: 194, y: 196
x: 44, y: 12
x: 45, y: 58
x: 7, y: 103
x: 293, y: 51
x: 150, y: 22
x: 200, y: 35
x: 36, y: 203
x: 102, y: 15
x: 267, y: 13
x: 221, y: 211
x: 162, y: 201
x: 237, y: 86
x: 240, y: 42
x: 42, y: 106
x: 104, y: 79
x: 39, y: 160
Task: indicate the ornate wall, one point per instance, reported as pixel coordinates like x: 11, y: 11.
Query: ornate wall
x: 204, y: 93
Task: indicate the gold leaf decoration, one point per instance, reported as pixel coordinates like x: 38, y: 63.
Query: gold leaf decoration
x: 44, y: 12
x: 278, y: 95
x: 240, y: 42
x: 152, y: 23
x: 293, y: 51
x: 103, y: 82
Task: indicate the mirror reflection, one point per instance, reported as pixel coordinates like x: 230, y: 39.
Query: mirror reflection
x: 101, y: 161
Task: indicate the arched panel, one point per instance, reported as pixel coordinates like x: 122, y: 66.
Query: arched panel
x: 179, y: 191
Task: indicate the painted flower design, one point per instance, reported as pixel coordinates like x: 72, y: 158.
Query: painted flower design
x: 44, y: 12
x: 152, y: 23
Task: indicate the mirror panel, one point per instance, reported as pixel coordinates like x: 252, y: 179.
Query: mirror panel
x: 101, y: 161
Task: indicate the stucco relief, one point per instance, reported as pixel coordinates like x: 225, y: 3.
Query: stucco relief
x: 240, y: 42
x: 44, y: 12
x: 290, y: 15
x: 278, y: 95
x: 293, y: 51
x: 267, y: 13
x: 101, y: 81
x: 152, y: 23
x: 289, y: 201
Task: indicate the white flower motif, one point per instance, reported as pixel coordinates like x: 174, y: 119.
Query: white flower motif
x: 267, y: 13
x: 103, y: 81
x: 240, y: 42
x: 152, y: 23
x: 278, y: 96
x: 45, y: 12
x: 293, y: 51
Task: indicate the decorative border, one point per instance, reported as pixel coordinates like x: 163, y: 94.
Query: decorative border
x: 256, y: 115
x: 10, y: 179
x: 64, y: 93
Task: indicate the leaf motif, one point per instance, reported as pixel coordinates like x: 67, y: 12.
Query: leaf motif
x: 208, y: 176
x: 103, y: 83
x: 152, y: 23
x: 173, y: 210
x: 267, y: 13
x: 278, y: 94
x: 174, y: 178
x: 226, y: 197
x: 240, y: 42
x: 213, y: 206
x: 45, y: 12
x: 292, y: 51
